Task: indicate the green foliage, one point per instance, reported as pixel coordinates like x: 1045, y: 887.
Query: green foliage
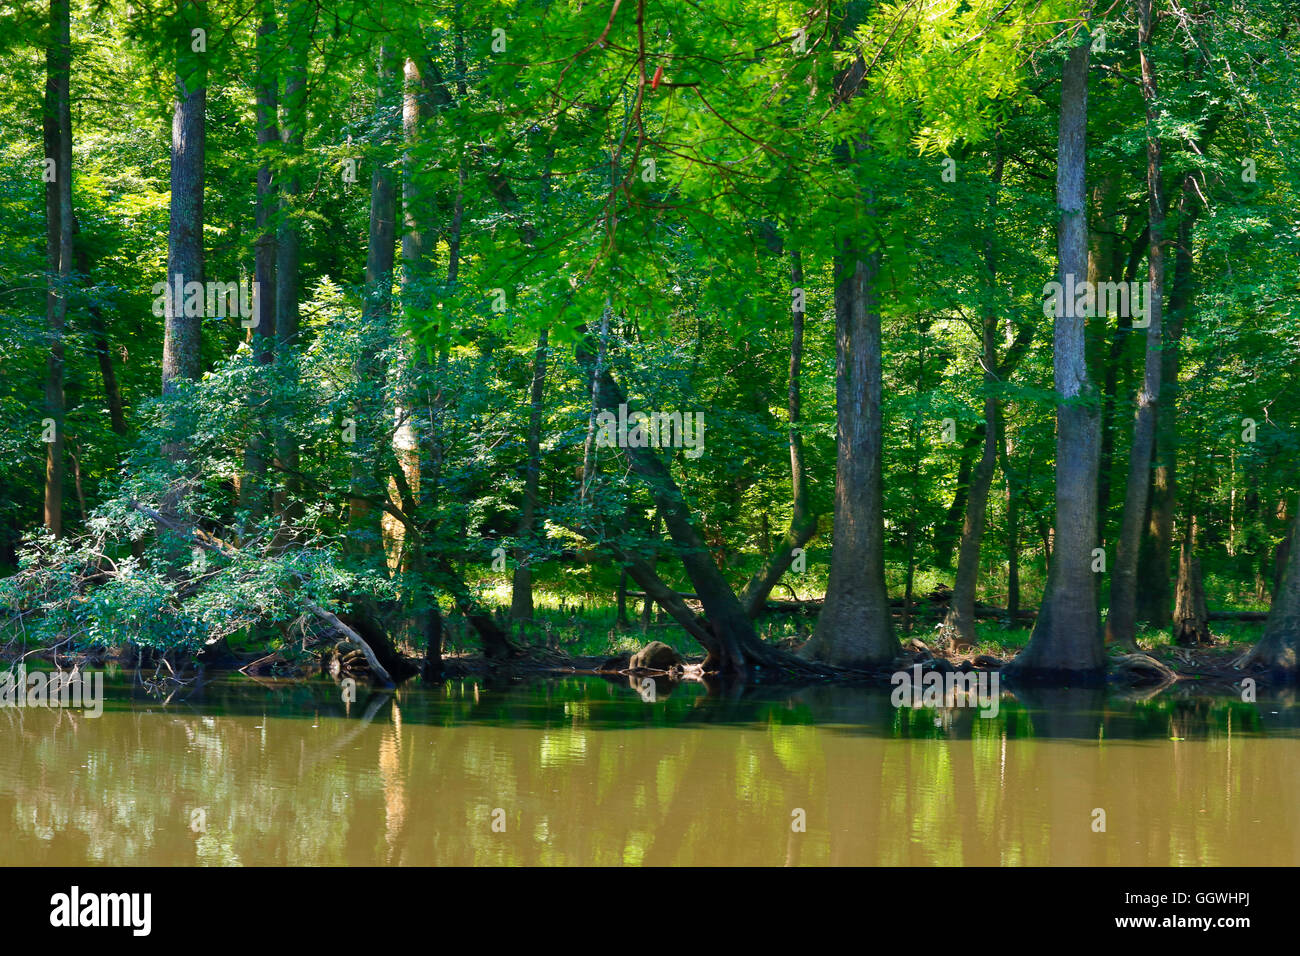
x: 567, y: 176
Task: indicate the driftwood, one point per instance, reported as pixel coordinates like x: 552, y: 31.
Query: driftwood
x: 1142, y: 669
x: 333, y: 621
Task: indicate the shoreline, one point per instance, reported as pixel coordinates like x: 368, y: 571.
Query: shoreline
x: 1222, y: 667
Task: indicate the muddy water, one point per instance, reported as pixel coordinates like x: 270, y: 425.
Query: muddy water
x: 583, y: 771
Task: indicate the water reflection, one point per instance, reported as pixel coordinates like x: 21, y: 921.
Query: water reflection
x: 589, y: 771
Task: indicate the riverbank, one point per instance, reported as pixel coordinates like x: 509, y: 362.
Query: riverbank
x: 1222, y: 666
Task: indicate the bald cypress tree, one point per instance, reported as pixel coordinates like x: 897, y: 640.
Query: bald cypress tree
x: 1066, y: 642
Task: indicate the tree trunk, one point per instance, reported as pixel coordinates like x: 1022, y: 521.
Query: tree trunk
x: 803, y: 521
x: 416, y: 484
x: 1281, y: 555
x: 181, y: 334
x: 911, y: 520
x: 1121, y: 622
x: 1106, y: 263
x: 496, y: 644
x: 103, y: 350
x: 1279, y: 647
x: 959, y: 626
x: 620, y: 602
x: 403, y: 553
x: 521, y: 595
x: 1153, y: 596
x: 948, y: 529
x: 293, y: 113
x: 376, y: 316
x: 734, y: 648
x: 1013, y: 525
x: 432, y: 669
x: 597, y: 368
x: 855, y: 627
x: 1066, y: 643
x: 1191, y: 619
x: 647, y: 609
x: 58, y: 249
x: 253, y: 490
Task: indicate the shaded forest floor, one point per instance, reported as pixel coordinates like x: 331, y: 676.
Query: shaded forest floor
x: 569, y: 636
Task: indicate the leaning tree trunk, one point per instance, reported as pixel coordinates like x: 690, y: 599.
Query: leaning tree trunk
x: 733, y: 646
x: 59, y: 252
x: 1121, y: 622
x: 1066, y: 643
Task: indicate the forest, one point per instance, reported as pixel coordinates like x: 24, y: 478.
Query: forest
x: 746, y: 340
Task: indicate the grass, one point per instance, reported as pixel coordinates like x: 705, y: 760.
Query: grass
x: 575, y: 610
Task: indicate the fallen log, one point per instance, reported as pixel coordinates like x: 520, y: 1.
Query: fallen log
x: 333, y: 621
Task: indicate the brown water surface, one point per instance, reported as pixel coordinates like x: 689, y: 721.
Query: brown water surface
x: 584, y: 771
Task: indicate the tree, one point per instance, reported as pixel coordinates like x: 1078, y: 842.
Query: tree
x: 1066, y: 642
x: 1279, y: 647
x: 376, y: 314
x: 1121, y: 623
x: 855, y: 626
x: 254, y: 492
x: 288, y: 282
x: 181, y: 340
x: 59, y: 251
x: 803, y: 517
x: 959, y: 623
x: 521, y: 586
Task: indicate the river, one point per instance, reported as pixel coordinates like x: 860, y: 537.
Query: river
x: 581, y: 770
